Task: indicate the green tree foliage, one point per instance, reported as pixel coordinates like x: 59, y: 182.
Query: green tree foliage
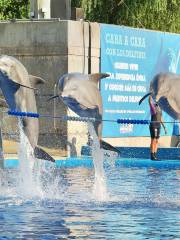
x: 76, y: 3
x: 163, y: 15
x: 10, y: 9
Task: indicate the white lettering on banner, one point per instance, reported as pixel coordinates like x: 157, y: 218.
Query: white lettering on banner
x: 128, y: 88
x: 116, y: 87
x: 125, y: 53
x: 130, y: 53
x: 114, y: 38
x: 121, y: 65
x: 126, y: 40
x: 111, y: 51
x: 141, y: 89
x: 134, y: 98
x: 119, y: 39
x: 126, y: 128
x: 125, y: 88
x: 125, y: 76
x: 124, y: 111
x: 138, y: 42
x: 126, y: 66
x: 130, y: 77
x: 126, y: 56
x: 140, y: 77
x: 133, y: 66
x: 121, y: 98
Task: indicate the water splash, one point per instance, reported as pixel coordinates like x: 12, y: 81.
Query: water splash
x: 37, y: 178
x: 29, y: 184
x: 100, y: 189
x: 110, y: 157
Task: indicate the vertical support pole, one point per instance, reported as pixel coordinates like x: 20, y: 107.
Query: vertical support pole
x: 1, y: 151
x: 33, y: 9
x: 89, y: 50
x: 68, y: 9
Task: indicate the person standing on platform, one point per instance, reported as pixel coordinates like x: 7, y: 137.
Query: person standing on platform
x: 155, y: 126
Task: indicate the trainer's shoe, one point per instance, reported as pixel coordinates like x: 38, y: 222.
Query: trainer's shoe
x: 153, y: 156
x: 156, y: 158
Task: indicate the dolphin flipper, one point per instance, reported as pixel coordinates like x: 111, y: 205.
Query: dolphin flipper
x: 41, y: 154
x: 107, y: 146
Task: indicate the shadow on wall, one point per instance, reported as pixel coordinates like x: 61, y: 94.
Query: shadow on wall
x: 72, y: 147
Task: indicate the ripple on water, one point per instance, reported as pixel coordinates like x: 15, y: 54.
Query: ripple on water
x: 141, y: 205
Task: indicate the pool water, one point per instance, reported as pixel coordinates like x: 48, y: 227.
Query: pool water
x: 142, y: 203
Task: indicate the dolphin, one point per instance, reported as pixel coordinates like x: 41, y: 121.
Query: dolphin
x: 3, y: 103
x: 18, y: 89
x: 80, y: 92
x: 165, y: 88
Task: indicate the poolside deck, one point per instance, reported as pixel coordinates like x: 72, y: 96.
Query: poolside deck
x: 164, y: 153
x: 171, y: 153
x: 10, y: 150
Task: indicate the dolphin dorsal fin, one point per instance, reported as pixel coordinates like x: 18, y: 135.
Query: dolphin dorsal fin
x: 36, y: 80
x: 95, y: 77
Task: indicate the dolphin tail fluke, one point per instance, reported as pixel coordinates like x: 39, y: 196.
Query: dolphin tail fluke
x: 41, y: 154
x: 144, y: 97
x: 107, y: 146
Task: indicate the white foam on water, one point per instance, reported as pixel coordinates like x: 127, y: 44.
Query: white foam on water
x: 99, y: 189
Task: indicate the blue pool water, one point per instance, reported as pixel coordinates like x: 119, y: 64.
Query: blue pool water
x: 88, y: 162
x: 143, y: 203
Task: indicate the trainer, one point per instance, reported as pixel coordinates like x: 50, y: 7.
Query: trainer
x: 155, y: 126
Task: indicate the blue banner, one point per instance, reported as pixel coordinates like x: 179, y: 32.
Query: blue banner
x: 132, y: 57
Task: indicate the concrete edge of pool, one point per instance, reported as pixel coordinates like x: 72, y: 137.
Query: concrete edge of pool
x: 88, y: 163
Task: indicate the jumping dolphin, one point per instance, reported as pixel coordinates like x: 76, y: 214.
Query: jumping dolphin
x: 165, y: 88
x: 3, y: 103
x: 18, y: 89
x: 81, y: 94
